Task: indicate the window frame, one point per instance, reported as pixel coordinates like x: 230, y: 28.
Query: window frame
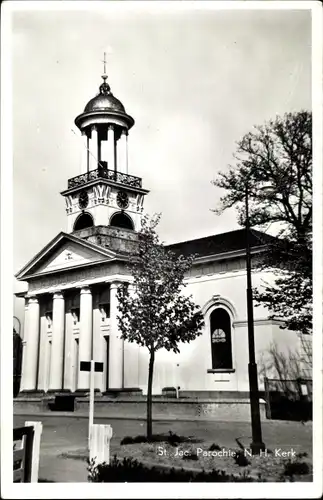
x: 210, y: 312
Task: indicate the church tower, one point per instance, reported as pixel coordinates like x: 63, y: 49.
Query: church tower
x: 105, y: 198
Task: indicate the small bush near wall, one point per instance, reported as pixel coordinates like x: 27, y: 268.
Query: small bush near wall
x: 129, y: 470
x: 171, y: 438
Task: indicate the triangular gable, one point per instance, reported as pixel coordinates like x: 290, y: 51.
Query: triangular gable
x: 65, y: 251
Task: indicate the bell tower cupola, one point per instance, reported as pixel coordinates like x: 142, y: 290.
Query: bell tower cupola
x: 105, y: 194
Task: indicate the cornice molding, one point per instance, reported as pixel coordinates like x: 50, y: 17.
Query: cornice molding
x: 260, y: 321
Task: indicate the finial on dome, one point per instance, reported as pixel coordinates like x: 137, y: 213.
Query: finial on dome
x: 104, y: 76
x: 104, y: 87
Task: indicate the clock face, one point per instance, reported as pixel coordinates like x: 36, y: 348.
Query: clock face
x: 122, y: 199
x: 83, y: 199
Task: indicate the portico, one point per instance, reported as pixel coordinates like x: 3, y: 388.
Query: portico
x: 71, y: 311
x: 53, y: 349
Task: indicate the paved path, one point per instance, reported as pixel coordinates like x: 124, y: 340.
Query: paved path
x: 62, y: 434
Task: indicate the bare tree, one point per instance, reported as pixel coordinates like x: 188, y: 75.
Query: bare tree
x: 274, y: 163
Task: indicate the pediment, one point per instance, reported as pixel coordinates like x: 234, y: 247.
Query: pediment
x: 63, y: 253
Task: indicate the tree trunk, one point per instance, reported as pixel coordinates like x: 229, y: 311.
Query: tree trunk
x: 149, y: 395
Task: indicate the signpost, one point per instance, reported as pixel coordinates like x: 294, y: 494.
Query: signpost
x: 92, y: 367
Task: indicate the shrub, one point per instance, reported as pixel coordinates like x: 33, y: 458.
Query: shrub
x: 171, y: 438
x: 191, y: 456
x: 127, y: 440
x: 214, y: 447
x: 296, y: 468
x: 241, y: 459
x: 174, y: 439
x: 130, y: 470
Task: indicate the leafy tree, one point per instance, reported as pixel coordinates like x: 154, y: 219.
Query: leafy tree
x: 157, y: 315
x: 274, y: 167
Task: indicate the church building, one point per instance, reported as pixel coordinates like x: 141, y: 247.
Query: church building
x: 71, y: 304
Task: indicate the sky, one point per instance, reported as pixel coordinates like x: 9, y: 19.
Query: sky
x: 195, y: 82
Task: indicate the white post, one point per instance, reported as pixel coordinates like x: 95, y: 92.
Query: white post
x: 91, y: 405
x: 85, y: 342
x: 38, y: 428
x: 100, y: 443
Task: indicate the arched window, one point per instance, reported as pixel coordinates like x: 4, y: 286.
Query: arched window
x: 83, y: 221
x: 121, y: 220
x: 221, y: 346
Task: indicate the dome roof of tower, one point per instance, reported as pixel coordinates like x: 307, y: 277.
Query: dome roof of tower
x: 104, y: 101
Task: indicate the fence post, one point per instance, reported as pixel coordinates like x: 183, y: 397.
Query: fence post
x: 100, y: 443
x: 38, y: 427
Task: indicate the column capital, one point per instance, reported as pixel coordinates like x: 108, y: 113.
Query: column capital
x: 83, y: 132
x: 124, y: 131
x: 94, y: 127
x: 116, y: 283
x: 58, y: 295
x: 33, y: 299
x: 85, y: 290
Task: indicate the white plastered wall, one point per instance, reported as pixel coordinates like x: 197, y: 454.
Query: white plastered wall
x: 188, y: 370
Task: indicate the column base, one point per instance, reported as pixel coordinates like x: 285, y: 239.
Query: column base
x: 58, y: 391
x: 128, y: 391
x: 31, y: 393
x: 85, y: 391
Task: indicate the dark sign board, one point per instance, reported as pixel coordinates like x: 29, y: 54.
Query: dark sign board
x: 85, y: 366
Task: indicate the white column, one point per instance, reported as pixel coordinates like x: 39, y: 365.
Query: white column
x: 94, y: 154
x: 85, y: 153
x: 30, y: 351
x: 122, y: 152
x: 131, y: 358
x: 85, y: 342
x: 111, y: 148
x: 24, y: 344
x: 42, y: 372
x: 116, y: 343
x: 125, y: 151
x: 68, y: 366
x: 57, y: 355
